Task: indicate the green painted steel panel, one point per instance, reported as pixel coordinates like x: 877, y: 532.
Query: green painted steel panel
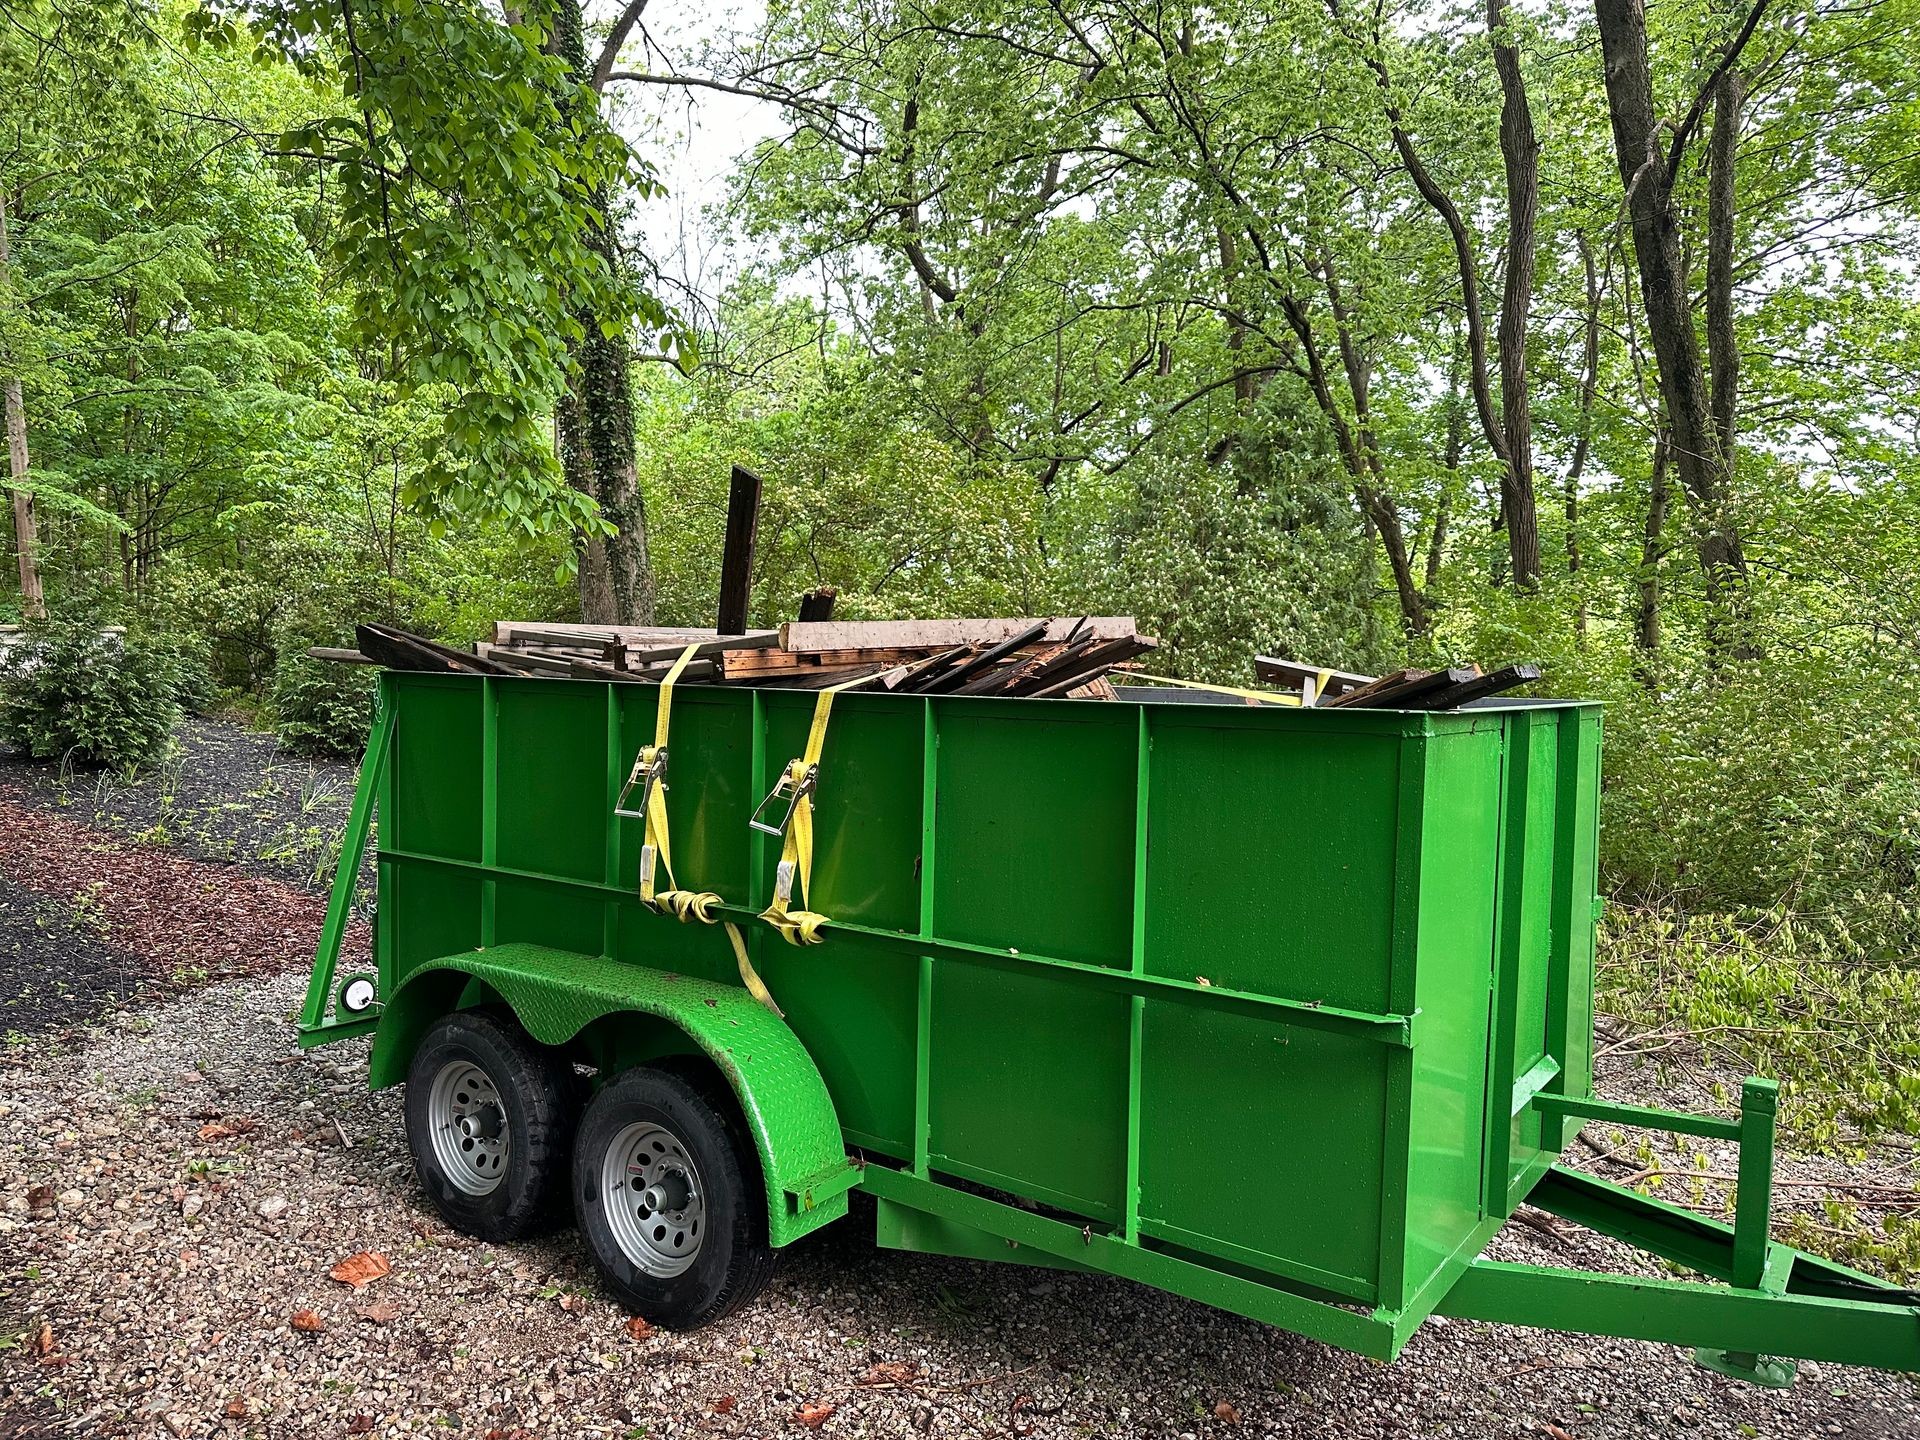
x: 1455, y: 864
x: 436, y: 773
x: 556, y: 994
x: 1035, y: 828
x: 866, y: 845
x: 1297, y: 834
x: 1028, y: 1085
x: 1249, y: 1128
x: 545, y: 788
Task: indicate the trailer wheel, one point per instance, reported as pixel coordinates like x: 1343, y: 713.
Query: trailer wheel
x: 668, y: 1201
x: 489, y: 1116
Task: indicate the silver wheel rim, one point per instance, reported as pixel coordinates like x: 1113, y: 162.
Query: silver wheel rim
x: 467, y: 1119
x: 654, y: 1201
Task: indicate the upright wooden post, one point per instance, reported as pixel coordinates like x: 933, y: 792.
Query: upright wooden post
x: 736, y: 561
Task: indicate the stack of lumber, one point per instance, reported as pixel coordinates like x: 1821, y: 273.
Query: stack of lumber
x: 1029, y: 657
x: 1446, y: 689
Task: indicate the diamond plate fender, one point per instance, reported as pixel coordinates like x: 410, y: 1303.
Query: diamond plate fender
x: 557, y: 993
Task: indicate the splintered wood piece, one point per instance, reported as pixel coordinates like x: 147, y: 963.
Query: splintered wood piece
x: 986, y: 659
x: 736, y: 559
x: 801, y: 636
x: 817, y: 604
x: 923, y: 671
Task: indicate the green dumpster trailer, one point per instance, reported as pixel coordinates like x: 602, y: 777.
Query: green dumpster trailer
x: 1281, y: 1010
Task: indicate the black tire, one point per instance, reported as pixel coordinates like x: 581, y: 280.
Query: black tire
x: 537, y: 1099
x: 729, y: 1262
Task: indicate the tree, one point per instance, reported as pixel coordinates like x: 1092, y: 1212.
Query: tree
x: 1700, y: 422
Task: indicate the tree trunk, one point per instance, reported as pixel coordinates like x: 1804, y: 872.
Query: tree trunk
x: 1723, y: 351
x: 26, y: 530
x: 1693, y: 443
x: 1646, y: 621
x: 1583, y: 441
x: 1521, y: 153
x: 595, y: 421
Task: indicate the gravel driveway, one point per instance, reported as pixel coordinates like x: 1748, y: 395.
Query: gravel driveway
x: 178, y: 1188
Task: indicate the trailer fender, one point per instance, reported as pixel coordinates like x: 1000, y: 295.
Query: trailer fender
x: 556, y: 994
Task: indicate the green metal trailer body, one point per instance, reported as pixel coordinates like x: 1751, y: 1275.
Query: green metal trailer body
x: 1285, y: 1010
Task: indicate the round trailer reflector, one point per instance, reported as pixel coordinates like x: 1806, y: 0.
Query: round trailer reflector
x: 357, y: 993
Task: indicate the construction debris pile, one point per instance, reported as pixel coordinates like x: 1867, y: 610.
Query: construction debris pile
x: 1031, y: 658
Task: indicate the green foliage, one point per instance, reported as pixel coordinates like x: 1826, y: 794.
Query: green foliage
x: 71, y: 691
x: 1772, y: 993
x: 322, y: 709
x: 472, y: 172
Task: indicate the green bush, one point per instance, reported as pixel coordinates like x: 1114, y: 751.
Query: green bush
x: 72, y: 691
x: 321, y: 708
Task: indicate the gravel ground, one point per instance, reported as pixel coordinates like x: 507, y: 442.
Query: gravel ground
x: 177, y: 1190
x: 226, y: 793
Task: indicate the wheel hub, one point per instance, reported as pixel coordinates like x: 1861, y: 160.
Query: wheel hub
x: 655, y: 1204
x: 467, y: 1120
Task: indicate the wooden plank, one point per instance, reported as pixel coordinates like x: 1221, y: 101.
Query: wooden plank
x: 753, y: 640
x: 817, y: 604
x: 736, y: 559
x: 399, y: 649
x: 569, y: 635
x: 925, y: 671
x: 801, y: 636
x: 1408, y: 693
x: 526, y: 662
x: 1362, y: 693
x: 332, y: 653
x: 1296, y: 675
x: 986, y: 659
x: 769, y: 662
x: 1480, y: 687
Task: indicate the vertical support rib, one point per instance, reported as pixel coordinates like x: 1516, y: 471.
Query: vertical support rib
x: 610, y: 909
x: 1137, y: 1009
x: 1753, y: 1189
x: 923, y: 1023
x: 489, y: 801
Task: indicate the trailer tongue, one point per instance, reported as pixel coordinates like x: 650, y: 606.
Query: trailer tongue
x: 1285, y: 1010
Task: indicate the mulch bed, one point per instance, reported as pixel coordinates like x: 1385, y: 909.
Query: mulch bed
x: 187, y: 921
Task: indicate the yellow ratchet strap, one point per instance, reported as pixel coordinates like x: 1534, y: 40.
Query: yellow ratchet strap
x: 650, y: 771
x: 802, y: 926
x: 1264, y: 697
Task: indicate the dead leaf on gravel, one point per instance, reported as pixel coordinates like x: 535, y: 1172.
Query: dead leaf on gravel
x: 813, y: 1414
x: 40, y: 1197
x: 381, y: 1314
x: 1554, y: 1432
x: 1227, y: 1411
x: 307, y: 1320
x: 360, y: 1425
x: 236, y: 1409
x: 361, y: 1269
x: 228, y: 1129
x: 638, y: 1328
x: 43, y: 1339
x: 889, y: 1372
x: 725, y: 1405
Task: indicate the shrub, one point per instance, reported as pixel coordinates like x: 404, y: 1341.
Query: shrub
x: 71, y: 690
x: 321, y: 708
